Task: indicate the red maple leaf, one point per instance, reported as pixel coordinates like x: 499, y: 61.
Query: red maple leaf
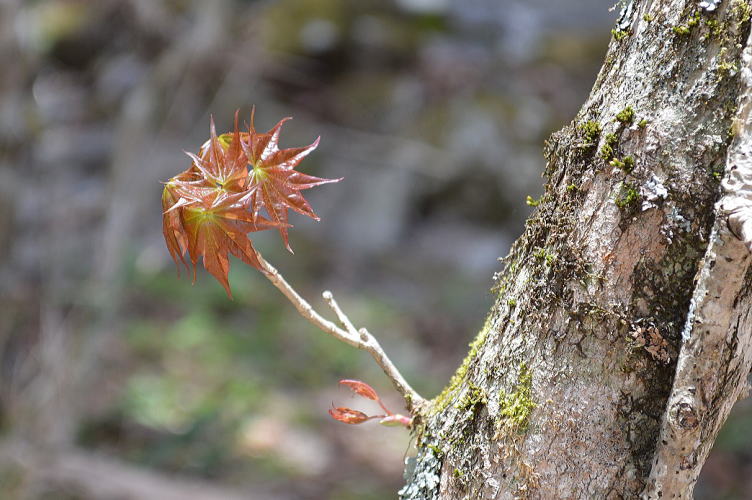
x: 361, y: 389
x: 222, y: 164
x: 348, y: 415
x: 272, y: 173
x: 217, y: 225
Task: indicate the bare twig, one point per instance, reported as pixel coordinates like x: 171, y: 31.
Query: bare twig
x: 361, y: 339
x: 341, y: 316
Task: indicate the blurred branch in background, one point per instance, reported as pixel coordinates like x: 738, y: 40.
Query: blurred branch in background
x: 89, y: 475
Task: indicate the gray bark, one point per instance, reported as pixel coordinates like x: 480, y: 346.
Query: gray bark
x: 629, y: 275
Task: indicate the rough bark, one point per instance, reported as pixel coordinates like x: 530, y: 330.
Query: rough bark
x: 716, y: 353
x: 564, y: 391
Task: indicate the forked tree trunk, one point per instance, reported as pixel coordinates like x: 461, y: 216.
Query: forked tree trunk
x: 580, y: 384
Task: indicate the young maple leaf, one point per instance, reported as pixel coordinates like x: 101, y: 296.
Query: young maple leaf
x: 222, y: 164
x: 348, y: 415
x: 172, y: 227
x: 217, y: 225
x: 272, y: 173
x: 361, y: 388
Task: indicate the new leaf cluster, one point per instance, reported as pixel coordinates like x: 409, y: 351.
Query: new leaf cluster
x: 350, y: 416
x: 238, y: 183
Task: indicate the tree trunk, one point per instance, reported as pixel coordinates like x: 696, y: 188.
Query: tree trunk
x: 623, y: 312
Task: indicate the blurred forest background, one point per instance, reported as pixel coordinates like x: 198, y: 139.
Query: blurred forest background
x: 117, y: 380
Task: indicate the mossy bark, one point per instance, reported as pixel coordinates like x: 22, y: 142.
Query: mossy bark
x: 564, y: 390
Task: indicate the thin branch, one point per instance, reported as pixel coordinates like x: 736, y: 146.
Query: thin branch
x: 361, y: 339
x: 341, y: 316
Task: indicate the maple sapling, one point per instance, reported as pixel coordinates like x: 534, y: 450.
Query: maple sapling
x: 242, y: 182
